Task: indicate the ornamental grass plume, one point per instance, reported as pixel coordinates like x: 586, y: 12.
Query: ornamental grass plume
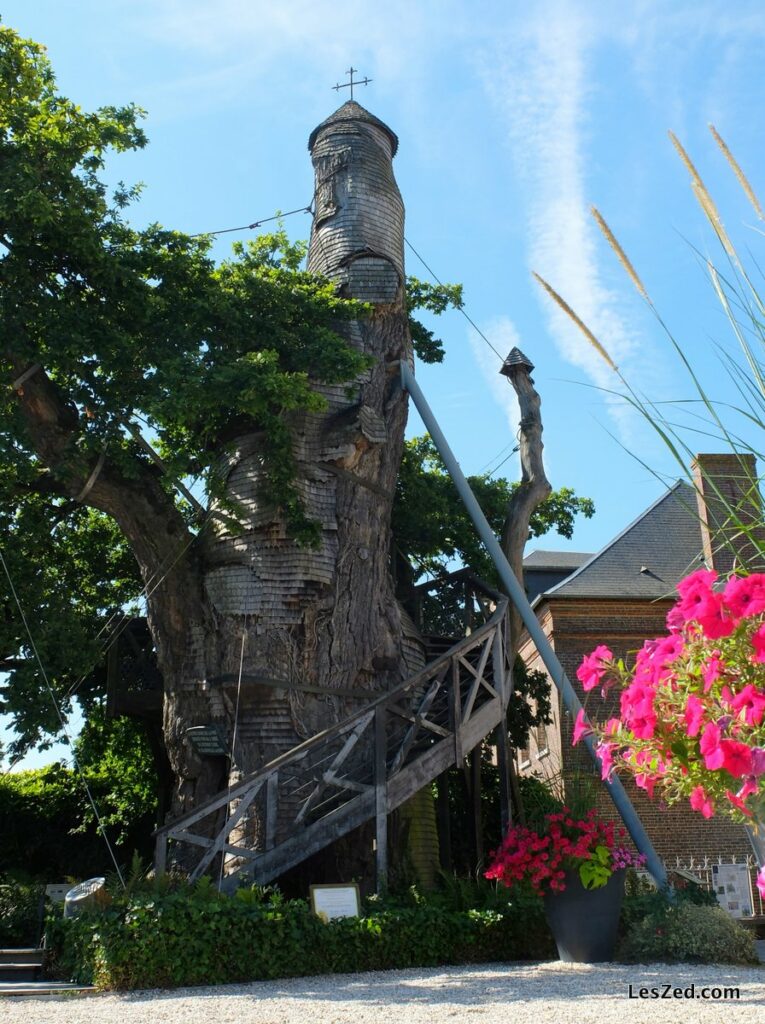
x: 691, y: 722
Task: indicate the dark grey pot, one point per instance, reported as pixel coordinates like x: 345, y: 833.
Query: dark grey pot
x: 584, y: 922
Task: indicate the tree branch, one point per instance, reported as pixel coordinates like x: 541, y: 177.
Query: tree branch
x: 138, y: 502
x: 534, y: 486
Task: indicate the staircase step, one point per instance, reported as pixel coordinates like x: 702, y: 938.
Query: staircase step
x: 42, y: 988
x: 19, y: 972
x: 29, y: 955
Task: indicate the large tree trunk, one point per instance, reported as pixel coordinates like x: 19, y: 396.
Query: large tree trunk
x: 293, y: 638
x: 269, y: 640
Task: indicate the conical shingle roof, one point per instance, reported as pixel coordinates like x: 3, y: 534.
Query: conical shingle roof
x: 353, y: 111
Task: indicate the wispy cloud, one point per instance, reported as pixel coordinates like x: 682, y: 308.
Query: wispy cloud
x: 542, y: 93
x: 503, y: 335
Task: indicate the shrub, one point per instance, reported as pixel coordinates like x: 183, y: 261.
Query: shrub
x: 20, y: 914
x: 689, y: 933
x: 194, y: 936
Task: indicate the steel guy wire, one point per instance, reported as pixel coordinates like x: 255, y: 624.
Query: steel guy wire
x: 62, y: 722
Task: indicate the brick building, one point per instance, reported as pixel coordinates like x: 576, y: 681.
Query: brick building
x: 620, y: 597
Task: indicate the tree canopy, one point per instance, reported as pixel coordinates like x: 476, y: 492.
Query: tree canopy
x: 107, y: 330
x: 432, y: 528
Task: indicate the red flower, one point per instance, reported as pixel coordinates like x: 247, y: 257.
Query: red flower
x: 701, y: 802
x: 737, y: 758
x: 738, y: 802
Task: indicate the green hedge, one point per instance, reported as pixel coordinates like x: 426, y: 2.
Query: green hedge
x: 20, y: 914
x: 196, y: 937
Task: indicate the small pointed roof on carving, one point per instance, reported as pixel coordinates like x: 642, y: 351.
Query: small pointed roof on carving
x: 353, y: 111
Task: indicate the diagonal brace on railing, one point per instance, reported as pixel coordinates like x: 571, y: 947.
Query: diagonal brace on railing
x: 517, y: 595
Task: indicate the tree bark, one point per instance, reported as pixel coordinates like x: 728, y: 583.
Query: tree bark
x: 243, y: 619
x: 534, y: 486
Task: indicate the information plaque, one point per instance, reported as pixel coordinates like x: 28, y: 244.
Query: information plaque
x: 330, y: 901
x: 733, y: 888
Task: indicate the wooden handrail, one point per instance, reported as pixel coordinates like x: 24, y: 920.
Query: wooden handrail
x: 295, y: 753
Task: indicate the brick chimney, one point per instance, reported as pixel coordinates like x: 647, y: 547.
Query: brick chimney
x: 728, y: 495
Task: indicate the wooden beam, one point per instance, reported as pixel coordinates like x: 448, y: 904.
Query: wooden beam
x: 381, y: 799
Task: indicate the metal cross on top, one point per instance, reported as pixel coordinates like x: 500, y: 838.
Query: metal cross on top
x: 350, y: 85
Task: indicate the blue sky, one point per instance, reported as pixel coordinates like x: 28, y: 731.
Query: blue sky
x: 513, y: 119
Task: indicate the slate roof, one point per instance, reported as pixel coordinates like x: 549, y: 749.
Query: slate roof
x: 645, y: 560
x: 353, y: 111
x: 556, y: 559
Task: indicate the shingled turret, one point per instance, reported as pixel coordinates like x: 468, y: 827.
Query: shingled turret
x: 357, y: 237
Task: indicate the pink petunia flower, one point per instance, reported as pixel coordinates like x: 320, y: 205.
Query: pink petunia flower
x: 737, y: 758
x: 758, y: 761
x: 701, y: 802
x: 758, y: 642
x: 643, y: 720
x: 592, y: 669
x: 712, y: 670
x: 752, y: 702
x: 745, y: 595
x: 675, y: 620
x: 604, y: 752
x: 738, y: 802
x: 694, y: 715
x: 761, y: 882
x: 750, y: 786
x: 709, y: 746
x: 581, y: 727
x: 647, y: 782
x: 699, y: 582
x: 713, y: 620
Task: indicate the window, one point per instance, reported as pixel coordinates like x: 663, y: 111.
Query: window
x: 540, y: 737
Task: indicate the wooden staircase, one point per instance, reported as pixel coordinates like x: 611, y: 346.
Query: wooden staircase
x: 360, y: 769
x: 20, y: 965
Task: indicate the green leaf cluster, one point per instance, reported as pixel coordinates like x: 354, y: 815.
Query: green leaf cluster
x: 49, y: 829
x: 195, y: 936
x: 688, y: 933
x: 432, y: 528
x: 595, y: 872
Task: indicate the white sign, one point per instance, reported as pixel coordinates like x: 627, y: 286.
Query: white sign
x: 733, y: 888
x: 328, y: 901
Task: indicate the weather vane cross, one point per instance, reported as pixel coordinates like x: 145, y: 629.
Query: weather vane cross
x: 350, y: 85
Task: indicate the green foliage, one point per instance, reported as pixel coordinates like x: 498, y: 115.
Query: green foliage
x: 20, y: 913
x: 432, y: 528
x: 538, y: 800
x: 127, y: 325
x: 688, y: 933
x: 687, y: 924
x: 49, y: 829
x: 435, y: 299
x: 595, y: 872
x: 196, y: 936
x: 72, y: 566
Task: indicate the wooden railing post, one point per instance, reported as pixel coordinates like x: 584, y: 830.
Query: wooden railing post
x: 381, y: 799
x: 503, y: 766
x: 160, y: 855
x: 272, y: 809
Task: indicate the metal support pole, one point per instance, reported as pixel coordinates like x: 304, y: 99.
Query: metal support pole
x: 517, y: 595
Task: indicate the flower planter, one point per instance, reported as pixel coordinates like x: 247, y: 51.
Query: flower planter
x: 584, y: 922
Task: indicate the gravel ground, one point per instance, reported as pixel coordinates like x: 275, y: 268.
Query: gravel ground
x: 501, y: 993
